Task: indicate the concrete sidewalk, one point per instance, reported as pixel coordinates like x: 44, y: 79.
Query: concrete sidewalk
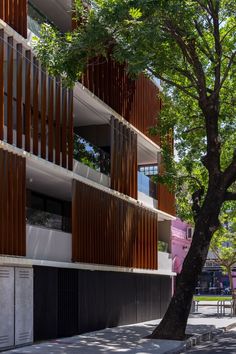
x: 128, y: 339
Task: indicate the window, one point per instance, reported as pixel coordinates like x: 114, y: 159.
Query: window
x: 149, y: 170
x: 48, y: 212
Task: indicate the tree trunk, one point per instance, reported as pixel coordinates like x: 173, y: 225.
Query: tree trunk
x: 173, y: 324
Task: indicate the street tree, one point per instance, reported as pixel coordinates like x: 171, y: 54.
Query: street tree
x: 190, y: 45
x: 223, y: 247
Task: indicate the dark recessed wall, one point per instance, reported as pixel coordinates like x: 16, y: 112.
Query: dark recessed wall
x: 71, y: 301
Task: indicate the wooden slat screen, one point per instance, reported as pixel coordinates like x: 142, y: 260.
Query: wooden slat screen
x: 37, y: 110
x: 109, y: 230
x: 12, y: 204
x: 166, y: 200
x: 1, y: 84
x: 14, y: 13
x: 165, y: 197
x: 137, y: 100
x: 123, y: 159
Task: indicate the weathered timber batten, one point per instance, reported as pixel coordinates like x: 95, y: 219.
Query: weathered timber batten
x: 123, y: 159
x: 36, y: 111
x: 12, y: 204
x: 109, y: 230
x: 14, y: 13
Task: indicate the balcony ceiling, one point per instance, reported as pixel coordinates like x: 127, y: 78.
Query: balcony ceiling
x: 57, y: 11
x: 90, y: 110
x: 42, y: 180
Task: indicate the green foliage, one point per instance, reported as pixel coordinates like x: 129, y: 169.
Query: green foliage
x: 223, y: 243
x: 185, y: 43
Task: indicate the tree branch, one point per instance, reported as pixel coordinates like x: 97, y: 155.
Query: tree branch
x: 175, y: 84
x: 189, y: 52
x: 229, y: 175
x: 206, y: 51
x: 230, y: 196
x: 227, y: 33
x: 231, y: 60
x: 186, y: 74
x: 200, y: 127
x: 203, y: 6
x: 218, y: 48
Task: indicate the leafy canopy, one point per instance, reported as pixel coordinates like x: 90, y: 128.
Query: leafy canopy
x: 223, y: 243
x: 191, y: 46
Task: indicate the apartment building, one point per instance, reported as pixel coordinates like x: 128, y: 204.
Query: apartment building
x: 80, y: 216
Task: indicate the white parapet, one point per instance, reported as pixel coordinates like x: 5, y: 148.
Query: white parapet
x: 47, y: 244
x: 164, y: 261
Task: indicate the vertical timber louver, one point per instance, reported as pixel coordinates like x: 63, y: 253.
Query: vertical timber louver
x: 13, y: 205
x: 14, y: 13
x: 123, y: 159
x: 109, y: 230
x: 36, y: 112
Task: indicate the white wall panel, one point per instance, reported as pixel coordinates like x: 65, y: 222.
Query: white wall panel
x: 23, y: 306
x: 47, y: 244
x: 6, y: 307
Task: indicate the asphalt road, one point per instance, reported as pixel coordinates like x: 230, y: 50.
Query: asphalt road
x: 224, y: 344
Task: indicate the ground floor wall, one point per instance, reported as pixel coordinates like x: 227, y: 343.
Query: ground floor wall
x: 73, y: 301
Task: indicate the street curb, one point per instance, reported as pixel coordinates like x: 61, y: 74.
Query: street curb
x: 197, y: 339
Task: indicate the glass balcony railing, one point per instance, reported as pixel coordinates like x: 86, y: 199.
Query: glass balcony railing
x: 147, y: 186
x: 35, y: 19
x: 48, y: 220
x: 91, y: 155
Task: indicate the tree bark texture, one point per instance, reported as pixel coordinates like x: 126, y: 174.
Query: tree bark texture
x: 173, y: 324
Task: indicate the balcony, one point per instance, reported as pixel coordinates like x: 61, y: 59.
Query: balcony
x: 147, y: 190
x: 36, y: 109
x: 36, y: 217
x: 91, y: 162
x: 91, y: 155
x: 35, y: 19
x: 48, y: 244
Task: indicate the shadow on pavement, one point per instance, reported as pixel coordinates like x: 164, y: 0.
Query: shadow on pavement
x: 225, y: 344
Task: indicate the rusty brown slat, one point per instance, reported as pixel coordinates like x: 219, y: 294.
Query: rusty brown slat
x: 113, y: 151
x: 19, y: 205
x: 119, y: 234
x: 10, y: 204
x: 10, y: 90
x: 2, y: 10
x: 16, y: 15
x: 1, y: 84
x: 35, y: 107
x: 11, y: 13
x: 50, y: 118
x: 6, y: 17
x: 5, y: 201
x: 156, y: 240
x: 2, y: 204
x: 70, y: 131
x: 120, y: 159
x: 64, y: 126
x: 23, y: 207
x: 19, y: 119
x: 75, y: 228
x: 14, y: 203
x: 151, y: 245
x: 43, y: 113
x: 20, y: 15
x: 135, y: 175
x: 24, y: 18
x: 27, y: 100
x: 58, y: 122
x: 116, y: 156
